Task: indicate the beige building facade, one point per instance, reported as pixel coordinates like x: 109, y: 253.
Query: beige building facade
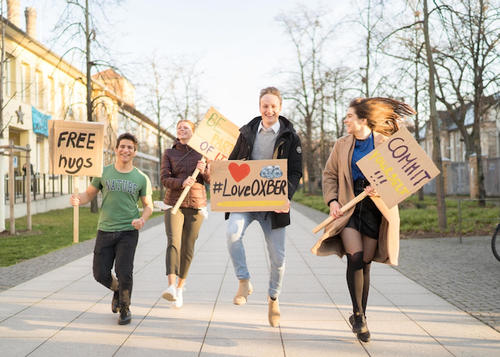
x: 39, y: 85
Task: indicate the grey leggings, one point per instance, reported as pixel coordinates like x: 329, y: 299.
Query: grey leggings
x: 182, y: 231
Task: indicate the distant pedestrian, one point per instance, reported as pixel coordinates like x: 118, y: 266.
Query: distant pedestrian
x: 178, y: 163
x: 121, y: 185
x: 266, y: 137
x: 362, y: 233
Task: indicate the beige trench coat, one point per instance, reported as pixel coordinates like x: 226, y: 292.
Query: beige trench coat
x: 338, y: 184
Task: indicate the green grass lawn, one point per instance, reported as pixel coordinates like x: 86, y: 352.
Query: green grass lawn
x: 53, y: 230
x: 419, y: 218
x: 50, y: 231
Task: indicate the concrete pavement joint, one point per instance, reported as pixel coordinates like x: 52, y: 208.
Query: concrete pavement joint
x: 136, y: 326
x: 326, y: 291
x: 69, y: 323
x: 41, y: 299
x: 458, y: 281
x: 213, y: 308
x: 414, y: 321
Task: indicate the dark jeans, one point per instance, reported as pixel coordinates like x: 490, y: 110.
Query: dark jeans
x: 117, y: 247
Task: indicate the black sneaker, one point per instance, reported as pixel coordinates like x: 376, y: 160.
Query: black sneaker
x: 125, y: 316
x: 114, y: 303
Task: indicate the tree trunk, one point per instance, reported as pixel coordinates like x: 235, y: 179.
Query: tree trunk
x: 436, y: 142
x: 477, y: 148
x: 309, y: 157
x: 94, y: 206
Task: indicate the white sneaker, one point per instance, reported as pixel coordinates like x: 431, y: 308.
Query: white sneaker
x: 179, y: 301
x: 170, y: 294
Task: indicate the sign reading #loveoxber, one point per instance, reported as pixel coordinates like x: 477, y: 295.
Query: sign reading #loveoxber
x: 248, y: 186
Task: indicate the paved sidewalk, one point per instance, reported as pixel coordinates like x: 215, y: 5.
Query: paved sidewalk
x: 65, y: 312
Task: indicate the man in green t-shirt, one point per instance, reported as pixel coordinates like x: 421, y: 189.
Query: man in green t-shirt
x: 121, y: 185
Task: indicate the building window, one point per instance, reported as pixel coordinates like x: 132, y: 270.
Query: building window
x: 52, y: 96
x: 62, y: 100
x: 9, y: 74
x: 25, y: 83
x: 38, y: 89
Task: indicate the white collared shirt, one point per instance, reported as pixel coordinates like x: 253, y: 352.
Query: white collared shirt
x: 275, y: 127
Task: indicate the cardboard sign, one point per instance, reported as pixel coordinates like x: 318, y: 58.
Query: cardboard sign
x: 215, y: 136
x: 248, y: 186
x: 76, y: 148
x: 398, y: 168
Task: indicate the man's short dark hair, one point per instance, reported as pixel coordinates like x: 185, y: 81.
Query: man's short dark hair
x: 127, y: 136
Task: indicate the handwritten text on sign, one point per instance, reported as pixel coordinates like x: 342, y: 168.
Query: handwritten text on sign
x: 398, y: 168
x: 248, y: 186
x: 214, y: 136
x: 76, y: 147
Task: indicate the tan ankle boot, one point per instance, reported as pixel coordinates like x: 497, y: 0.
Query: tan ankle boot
x: 244, y: 289
x: 274, y: 312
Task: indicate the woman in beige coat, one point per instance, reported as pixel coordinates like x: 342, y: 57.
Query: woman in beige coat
x: 363, y: 233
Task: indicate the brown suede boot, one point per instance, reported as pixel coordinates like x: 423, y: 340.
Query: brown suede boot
x: 274, y: 312
x: 244, y: 289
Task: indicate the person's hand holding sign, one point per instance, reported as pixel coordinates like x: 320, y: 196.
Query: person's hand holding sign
x: 371, y: 191
x: 287, y: 209
x: 201, y: 165
x: 75, y: 199
x: 335, y: 211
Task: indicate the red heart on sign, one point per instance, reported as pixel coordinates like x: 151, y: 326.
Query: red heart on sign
x: 239, y: 172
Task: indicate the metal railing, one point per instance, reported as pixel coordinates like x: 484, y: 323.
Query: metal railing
x: 42, y: 186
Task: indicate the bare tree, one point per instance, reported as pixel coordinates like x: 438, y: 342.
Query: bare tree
x: 469, y: 69
x: 176, y: 92
x: 332, y: 102
x: 405, y: 45
x: 173, y: 94
x: 156, y: 98
x: 78, y: 22
x: 186, y: 99
x: 308, y: 33
x: 436, y: 141
x: 369, y: 16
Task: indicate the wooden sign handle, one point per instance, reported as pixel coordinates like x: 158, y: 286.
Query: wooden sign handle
x: 186, y: 190
x: 343, y: 209
x: 75, y: 212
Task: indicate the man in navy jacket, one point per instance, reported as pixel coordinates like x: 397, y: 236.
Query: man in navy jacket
x: 269, y: 136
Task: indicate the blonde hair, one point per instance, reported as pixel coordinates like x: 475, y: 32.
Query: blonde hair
x: 271, y: 90
x: 188, y: 122
x: 383, y: 115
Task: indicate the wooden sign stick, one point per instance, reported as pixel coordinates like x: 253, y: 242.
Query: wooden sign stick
x: 343, y: 209
x: 186, y: 190
x: 76, y: 220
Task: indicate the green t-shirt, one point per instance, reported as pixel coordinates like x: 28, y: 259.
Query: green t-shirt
x: 120, y: 193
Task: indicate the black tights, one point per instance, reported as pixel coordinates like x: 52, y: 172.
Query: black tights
x: 360, y: 252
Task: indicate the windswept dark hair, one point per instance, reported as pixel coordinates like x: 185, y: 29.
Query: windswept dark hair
x: 383, y: 114
x: 127, y: 136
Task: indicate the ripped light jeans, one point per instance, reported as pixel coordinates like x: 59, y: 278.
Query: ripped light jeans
x: 275, y: 241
